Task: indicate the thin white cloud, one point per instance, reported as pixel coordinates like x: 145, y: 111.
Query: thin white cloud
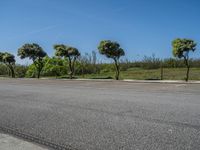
x: 36, y: 31
x: 40, y: 30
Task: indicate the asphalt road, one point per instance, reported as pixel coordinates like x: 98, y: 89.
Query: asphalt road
x: 104, y: 115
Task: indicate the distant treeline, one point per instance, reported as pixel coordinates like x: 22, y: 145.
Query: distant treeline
x: 151, y: 62
x: 88, y: 64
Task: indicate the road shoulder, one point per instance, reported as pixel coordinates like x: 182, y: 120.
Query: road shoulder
x: 8, y: 142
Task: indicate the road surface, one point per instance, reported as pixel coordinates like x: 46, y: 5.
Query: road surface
x: 89, y: 115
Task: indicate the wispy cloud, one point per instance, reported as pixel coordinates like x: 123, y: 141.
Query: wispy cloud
x: 36, y: 31
x: 40, y: 30
x: 79, y: 13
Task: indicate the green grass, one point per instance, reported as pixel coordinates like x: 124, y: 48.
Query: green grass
x: 144, y: 74
x: 149, y: 74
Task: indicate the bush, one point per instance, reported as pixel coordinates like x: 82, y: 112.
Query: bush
x: 54, y: 67
x: 150, y: 62
x: 3, y: 70
x: 31, y: 72
x: 20, y: 71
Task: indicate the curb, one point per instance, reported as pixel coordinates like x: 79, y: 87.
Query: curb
x: 131, y: 81
x: 112, y: 80
x: 163, y: 81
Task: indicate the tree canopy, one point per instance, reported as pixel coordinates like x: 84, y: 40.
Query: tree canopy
x: 31, y: 51
x: 35, y: 53
x: 181, y: 49
x: 9, y: 60
x: 66, y: 51
x: 112, y: 50
x: 69, y: 52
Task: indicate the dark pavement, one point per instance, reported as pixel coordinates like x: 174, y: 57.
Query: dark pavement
x: 89, y: 115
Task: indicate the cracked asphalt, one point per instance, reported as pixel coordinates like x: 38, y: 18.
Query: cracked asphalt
x: 90, y: 115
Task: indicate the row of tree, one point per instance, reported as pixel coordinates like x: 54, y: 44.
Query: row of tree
x: 181, y: 49
x: 36, y: 54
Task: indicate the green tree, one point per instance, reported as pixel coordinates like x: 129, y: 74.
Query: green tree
x: 181, y: 49
x: 67, y: 52
x: 112, y: 50
x: 9, y: 60
x: 35, y: 53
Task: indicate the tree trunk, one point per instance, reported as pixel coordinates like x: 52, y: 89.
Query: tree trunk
x: 117, y: 69
x: 161, y: 71
x: 8, y: 70
x: 38, y: 74
x: 73, y: 68
x: 12, y: 72
x: 82, y: 69
x: 187, y: 74
x: 38, y: 66
x: 188, y: 68
x: 70, y: 68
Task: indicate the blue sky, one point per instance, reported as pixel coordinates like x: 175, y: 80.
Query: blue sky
x: 142, y: 27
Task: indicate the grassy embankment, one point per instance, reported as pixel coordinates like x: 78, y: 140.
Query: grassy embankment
x: 144, y: 74
x: 149, y: 74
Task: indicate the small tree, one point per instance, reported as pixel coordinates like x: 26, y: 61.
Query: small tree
x: 181, y: 49
x: 112, y: 50
x: 9, y: 60
x: 68, y: 52
x: 35, y: 53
